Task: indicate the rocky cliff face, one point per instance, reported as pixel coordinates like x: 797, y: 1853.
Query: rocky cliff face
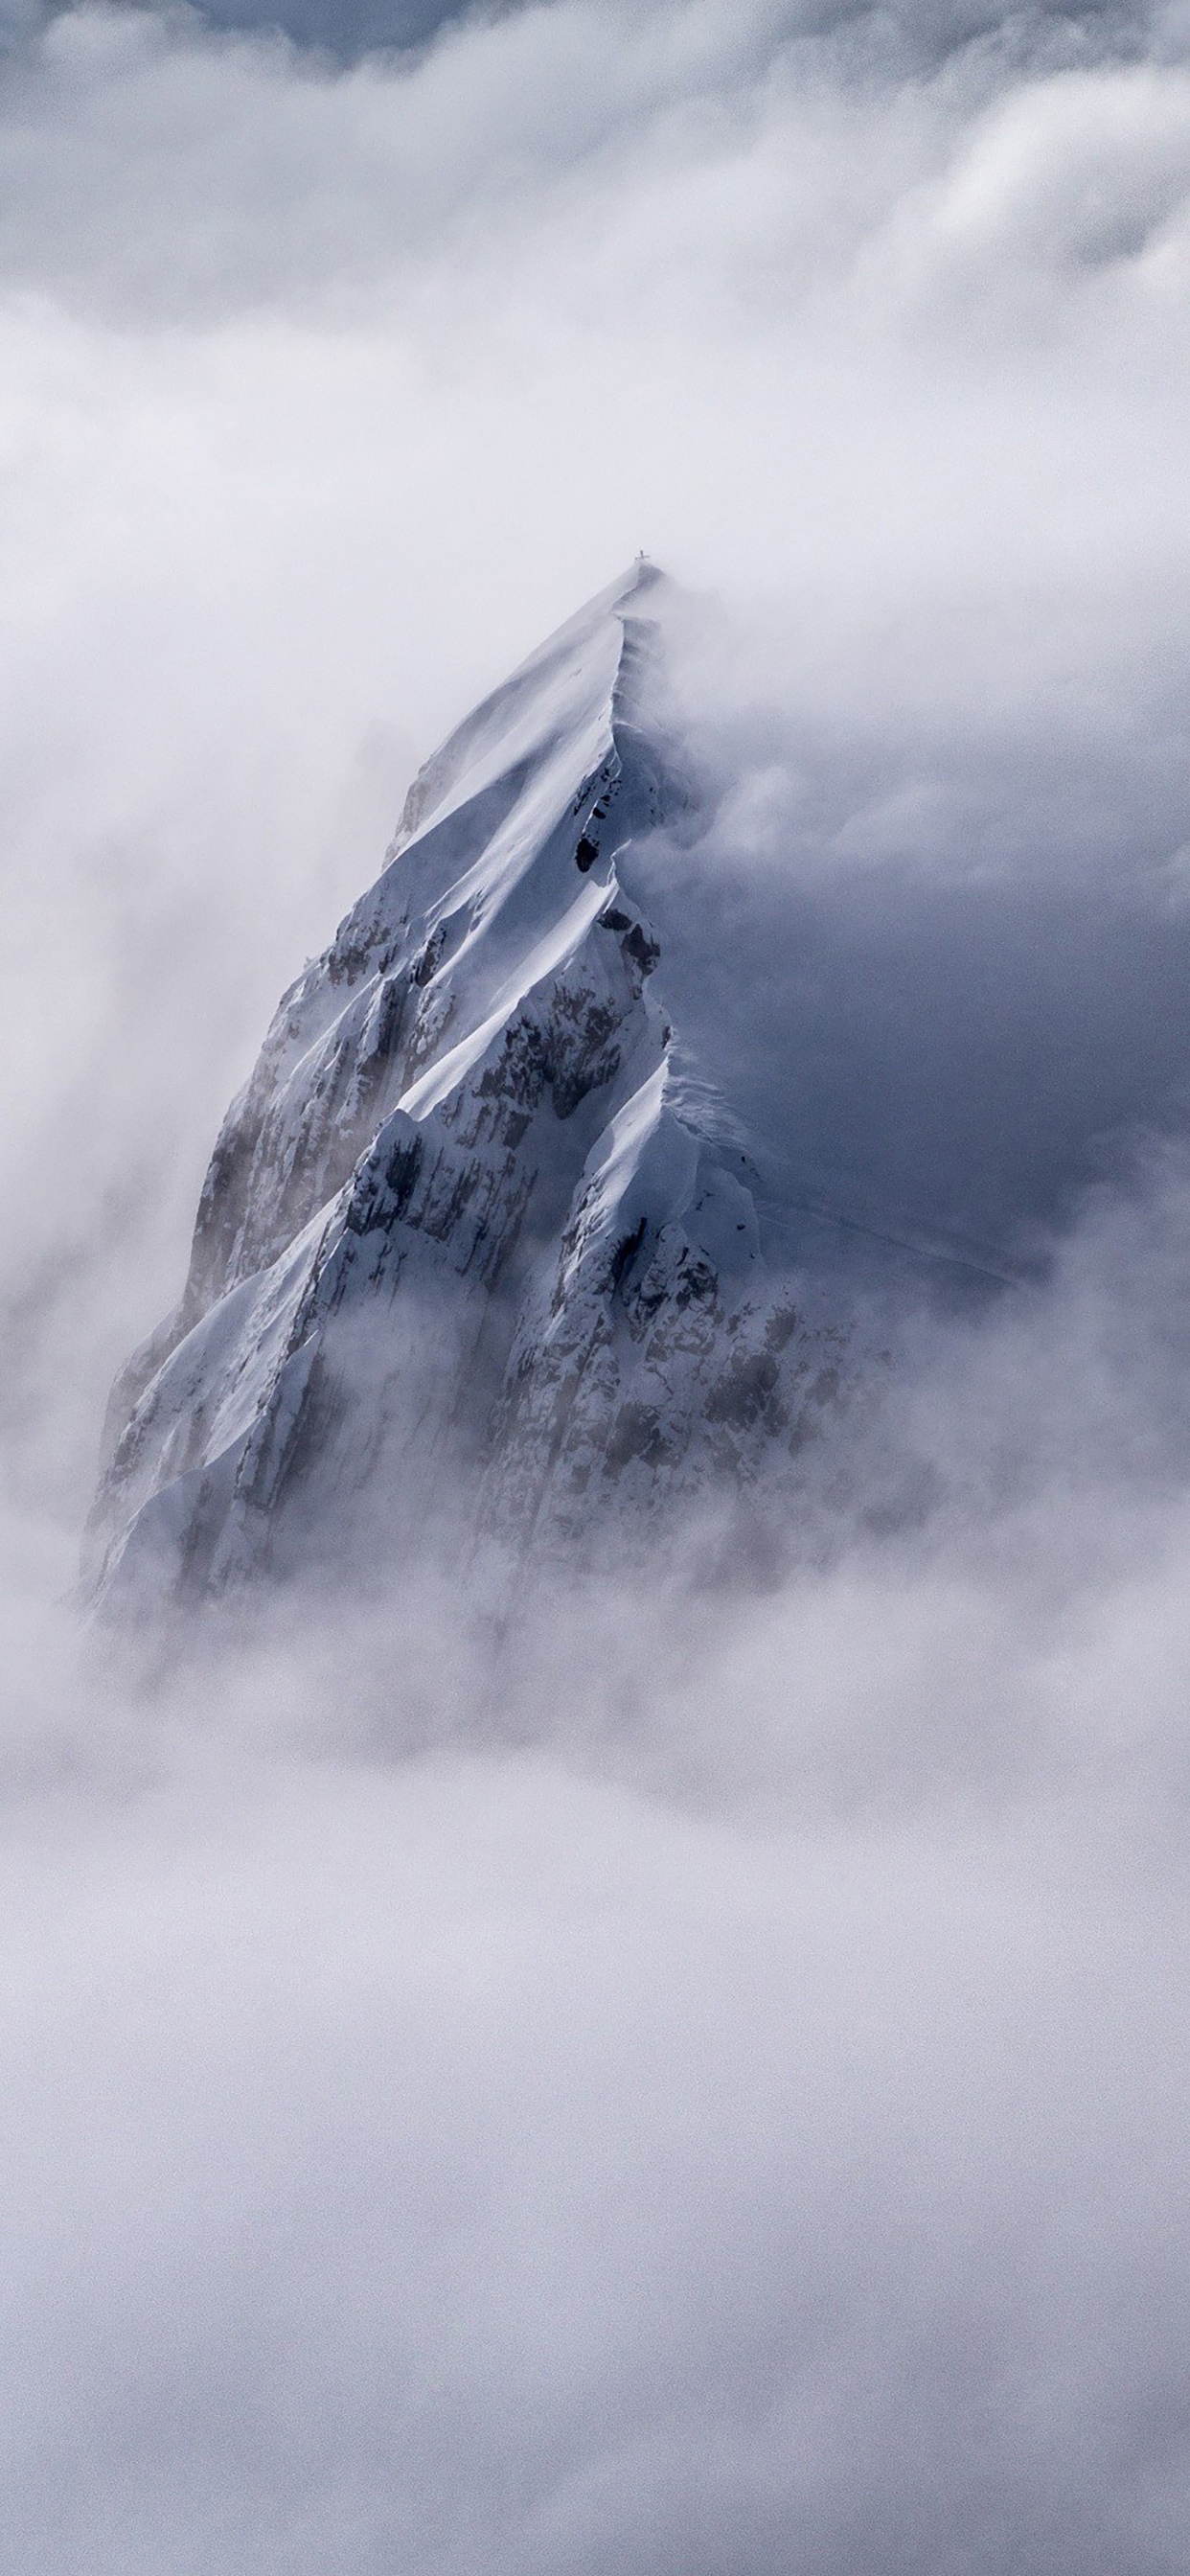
x: 467, y: 1260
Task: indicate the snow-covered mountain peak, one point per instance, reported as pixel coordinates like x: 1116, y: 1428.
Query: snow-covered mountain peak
x: 579, y: 686
x: 462, y: 1223
x: 504, y: 865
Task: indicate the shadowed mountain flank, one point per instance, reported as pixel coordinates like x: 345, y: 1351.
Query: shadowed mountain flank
x: 467, y: 1250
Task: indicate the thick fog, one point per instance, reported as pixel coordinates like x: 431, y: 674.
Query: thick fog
x: 693, y: 2079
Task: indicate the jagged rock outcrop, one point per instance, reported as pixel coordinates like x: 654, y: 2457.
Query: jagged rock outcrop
x: 467, y: 1258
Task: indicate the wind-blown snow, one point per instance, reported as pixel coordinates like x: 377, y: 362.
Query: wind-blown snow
x: 462, y: 1219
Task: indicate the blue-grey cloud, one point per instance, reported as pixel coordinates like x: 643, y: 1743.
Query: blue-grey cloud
x: 923, y: 31
x: 345, y: 29
x: 917, y: 33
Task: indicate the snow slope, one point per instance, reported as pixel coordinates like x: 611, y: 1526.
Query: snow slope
x: 467, y: 1257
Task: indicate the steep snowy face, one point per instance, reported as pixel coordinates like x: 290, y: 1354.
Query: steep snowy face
x: 465, y: 1259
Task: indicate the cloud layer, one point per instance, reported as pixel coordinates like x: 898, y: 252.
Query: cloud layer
x: 482, y: 2168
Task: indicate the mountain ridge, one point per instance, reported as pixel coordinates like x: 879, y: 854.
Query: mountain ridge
x: 468, y: 1098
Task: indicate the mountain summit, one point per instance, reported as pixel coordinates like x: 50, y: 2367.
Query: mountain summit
x: 469, y: 1258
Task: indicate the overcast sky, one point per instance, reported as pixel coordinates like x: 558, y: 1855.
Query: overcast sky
x: 930, y: 28
x: 736, y: 2126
